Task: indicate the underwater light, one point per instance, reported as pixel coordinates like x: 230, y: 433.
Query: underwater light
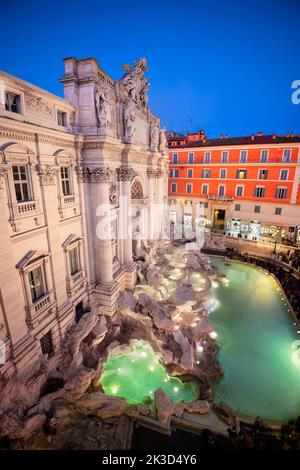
x: 114, y: 389
x: 213, y: 334
x: 143, y: 354
x: 176, y: 389
x: 151, y: 368
x: 199, y: 348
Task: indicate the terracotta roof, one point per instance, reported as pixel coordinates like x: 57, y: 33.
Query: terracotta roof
x: 247, y: 140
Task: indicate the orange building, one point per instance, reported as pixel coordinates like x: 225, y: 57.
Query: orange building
x: 247, y: 186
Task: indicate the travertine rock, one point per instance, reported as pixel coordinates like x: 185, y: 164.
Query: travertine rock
x: 101, y: 405
x: 187, y: 359
x: 78, y: 384
x: 165, y: 407
x: 198, y: 406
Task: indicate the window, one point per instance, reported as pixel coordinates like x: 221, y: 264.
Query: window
x: 281, y: 193
x: 174, y: 173
x: 241, y: 174
x: 65, y: 180
x: 175, y: 157
x: 257, y: 209
x: 190, y: 173
x: 36, y: 283
x: 223, y: 173
x: 206, y: 205
x: 263, y: 174
x: 205, y: 189
x: 237, y: 207
x: 173, y: 188
x: 205, y: 173
x: 12, y: 102
x: 221, y: 190
x: 259, y: 191
x: 74, y: 261
x: 243, y: 156
x: 239, y: 190
x: 278, y: 210
x: 224, y: 158
x: 62, y: 118
x: 284, y: 174
x: 286, y: 157
x: 207, y: 157
x: 189, y: 188
x: 21, y: 182
x: 191, y: 158
x: 47, y: 344
x: 264, y: 156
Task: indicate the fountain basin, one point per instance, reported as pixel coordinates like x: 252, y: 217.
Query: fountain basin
x: 137, y: 372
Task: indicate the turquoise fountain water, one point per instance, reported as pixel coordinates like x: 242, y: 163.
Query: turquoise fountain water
x: 258, y: 338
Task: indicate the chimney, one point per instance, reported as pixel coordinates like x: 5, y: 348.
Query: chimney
x: 292, y: 134
x: 274, y: 136
x: 252, y: 137
x: 260, y: 134
x: 221, y: 136
x: 288, y: 135
x: 226, y: 136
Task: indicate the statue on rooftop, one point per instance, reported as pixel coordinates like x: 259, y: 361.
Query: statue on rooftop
x: 162, y: 140
x: 136, y: 84
x: 103, y: 105
x: 129, y: 119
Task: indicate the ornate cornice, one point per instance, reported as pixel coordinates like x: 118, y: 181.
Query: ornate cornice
x: 159, y: 173
x: 47, y: 174
x: 151, y: 173
x: 125, y: 173
x: 93, y: 175
x: 16, y: 134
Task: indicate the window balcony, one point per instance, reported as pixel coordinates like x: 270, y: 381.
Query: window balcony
x: 39, y: 309
x: 75, y: 281
x: 24, y: 209
x: 69, y: 200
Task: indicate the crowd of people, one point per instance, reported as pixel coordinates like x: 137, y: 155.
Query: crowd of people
x: 256, y: 437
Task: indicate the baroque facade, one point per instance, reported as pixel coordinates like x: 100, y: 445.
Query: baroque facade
x: 76, y: 176
x: 246, y: 187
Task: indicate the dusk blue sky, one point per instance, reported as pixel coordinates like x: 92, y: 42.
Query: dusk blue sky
x: 225, y: 67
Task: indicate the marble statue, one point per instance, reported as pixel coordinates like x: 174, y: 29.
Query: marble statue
x: 129, y: 119
x: 162, y: 141
x: 136, y: 84
x: 103, y: 105
x: 153, y: 135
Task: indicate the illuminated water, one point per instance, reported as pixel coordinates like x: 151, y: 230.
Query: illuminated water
x: 135, y: 375
x: 258, y: 352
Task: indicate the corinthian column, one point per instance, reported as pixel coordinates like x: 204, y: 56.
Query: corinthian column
x: 125, y: 175
x: 151, y: 206
x: 160, y: 201
x: 99, y: 177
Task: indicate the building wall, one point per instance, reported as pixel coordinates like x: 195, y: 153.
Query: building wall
x: 104, y: 157
x: 241, y: 207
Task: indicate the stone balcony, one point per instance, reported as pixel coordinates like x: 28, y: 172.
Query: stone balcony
x: 75, y: 281
x: 65, y: 203
x: 24, y: 209
x: 37, y: 310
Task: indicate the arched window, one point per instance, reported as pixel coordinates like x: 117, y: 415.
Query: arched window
x: 136, y: 190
